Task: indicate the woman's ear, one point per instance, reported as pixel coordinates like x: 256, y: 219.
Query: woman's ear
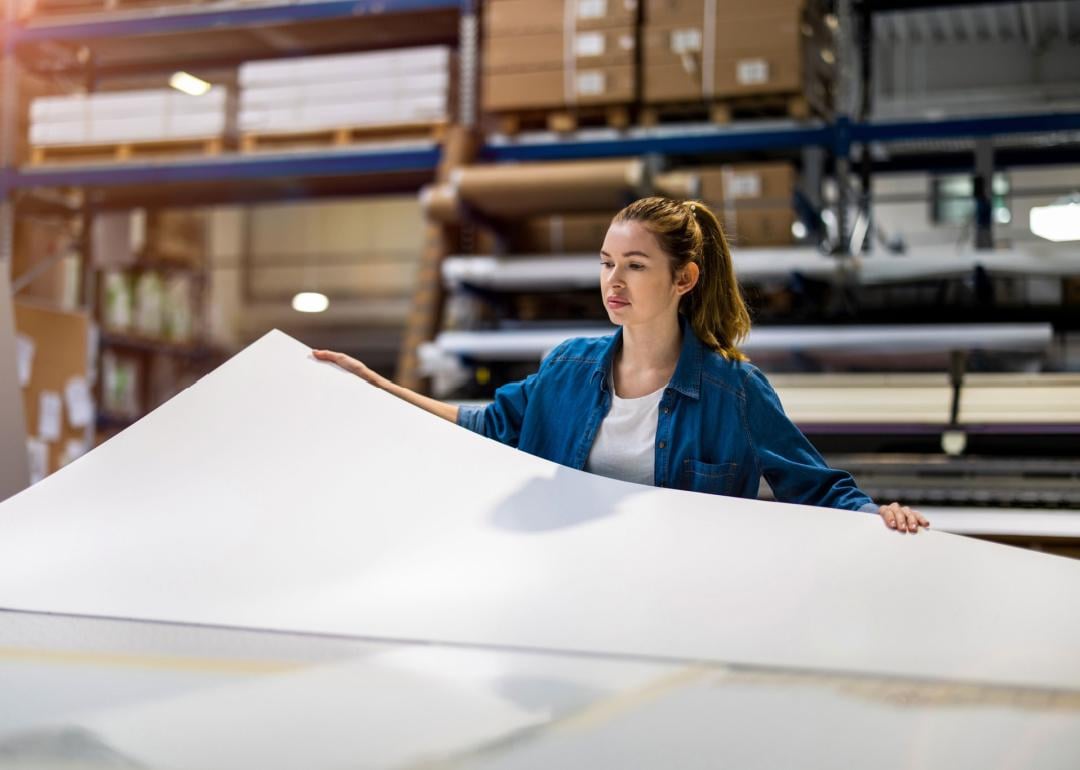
x: 687, y: 278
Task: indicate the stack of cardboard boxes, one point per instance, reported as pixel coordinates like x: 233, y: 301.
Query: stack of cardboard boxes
x: 721, y: 53
x: 565, y: 55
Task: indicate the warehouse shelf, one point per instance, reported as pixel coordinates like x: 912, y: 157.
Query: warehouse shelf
x: 704, y: 139
x: 1004, y: 522
x: 682, y: 139
x: 563, y: 272
x: 582, y: 271
x: 532, y: 344
x: 665, y: 140
x: 159, y: 346
x: 231, y: 31
x: 243, y: 177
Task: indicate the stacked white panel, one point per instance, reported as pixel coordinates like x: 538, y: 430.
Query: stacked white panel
x: 343, y: 91
x: 128, y: 116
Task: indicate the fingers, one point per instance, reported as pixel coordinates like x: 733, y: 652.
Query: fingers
x: 348, y: 363
x: 902, y: 518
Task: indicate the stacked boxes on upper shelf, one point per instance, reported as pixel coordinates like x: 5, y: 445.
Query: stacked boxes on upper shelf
x: 736, y: 57
x: 560, y: 55
x: 402, y: 89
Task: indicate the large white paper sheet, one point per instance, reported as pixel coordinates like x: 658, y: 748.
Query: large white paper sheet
x: 283, y: 493
x: 96, y: 693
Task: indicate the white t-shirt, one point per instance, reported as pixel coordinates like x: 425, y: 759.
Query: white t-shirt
x: 625, y: 444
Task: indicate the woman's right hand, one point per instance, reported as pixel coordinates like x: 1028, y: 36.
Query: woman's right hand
x: 350, y: 364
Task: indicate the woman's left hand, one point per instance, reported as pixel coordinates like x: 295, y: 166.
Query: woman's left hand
x: 902, y: 518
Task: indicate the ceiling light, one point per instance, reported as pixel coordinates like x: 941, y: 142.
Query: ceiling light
x: 310, y: 302
x: 1059, y: 221
x: 189, y: 84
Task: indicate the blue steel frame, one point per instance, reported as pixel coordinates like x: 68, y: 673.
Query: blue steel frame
x: 240, y: 168
x: 193, y: 20
x: 836, y: 137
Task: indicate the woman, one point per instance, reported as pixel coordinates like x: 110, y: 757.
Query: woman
x: 669, y: 399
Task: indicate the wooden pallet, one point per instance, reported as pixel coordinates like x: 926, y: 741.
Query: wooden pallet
x: 562, y: 120
x: 119, y: 152
x: 55, y: 8
x: 343, y: 136
x: 725, y: 110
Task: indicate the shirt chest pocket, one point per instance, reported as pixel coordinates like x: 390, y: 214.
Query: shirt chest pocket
x: 713, y: 478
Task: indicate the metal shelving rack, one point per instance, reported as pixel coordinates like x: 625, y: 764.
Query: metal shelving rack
x: 89, y: 49
x: 222, y: 32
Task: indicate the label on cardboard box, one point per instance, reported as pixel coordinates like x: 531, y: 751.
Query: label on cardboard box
x: 24, y: 358
x: 750, y: 72
x: 589, y: 44
x: 626, y: 42
x: 742, y: 185
x: 686, y: 40
x: 590, y: 83
x: 591, y: 9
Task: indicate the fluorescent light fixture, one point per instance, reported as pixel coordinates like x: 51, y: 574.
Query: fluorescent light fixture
x: 189, y: 84
x: 310, y: 302
x: 1057, y: 222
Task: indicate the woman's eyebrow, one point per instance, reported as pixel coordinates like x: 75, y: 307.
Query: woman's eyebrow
x: 628, y: 254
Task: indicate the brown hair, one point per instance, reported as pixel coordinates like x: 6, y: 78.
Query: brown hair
x: 689, y: 232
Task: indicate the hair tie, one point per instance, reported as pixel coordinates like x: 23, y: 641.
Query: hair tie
x: 693, y: 208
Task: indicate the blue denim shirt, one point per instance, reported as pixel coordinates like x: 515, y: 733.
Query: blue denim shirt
x: 720, y: 425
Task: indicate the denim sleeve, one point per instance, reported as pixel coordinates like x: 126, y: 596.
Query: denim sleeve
x: 502, y: 418
x: 795, y: 470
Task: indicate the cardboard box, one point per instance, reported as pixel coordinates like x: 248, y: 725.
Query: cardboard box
x: 677, y: 11
x: 37, y: 242
x: 553, y: 88
x: 548, y: 50
x: 768, y: 47
x: 753, y: 200
x: 746, y: 60
x: 520, y: 16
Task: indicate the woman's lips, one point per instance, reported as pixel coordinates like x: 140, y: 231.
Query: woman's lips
x: 616, y: 302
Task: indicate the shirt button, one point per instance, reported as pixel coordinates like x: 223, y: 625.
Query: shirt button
x: 666, y: 410
x: 663, y: 444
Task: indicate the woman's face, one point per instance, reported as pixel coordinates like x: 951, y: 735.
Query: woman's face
x: 635, y: 277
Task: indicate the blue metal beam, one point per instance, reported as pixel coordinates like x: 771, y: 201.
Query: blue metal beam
x: 667, y: 142
x: 996, y: 125
x: 241, y: 16
x: 233, y: 168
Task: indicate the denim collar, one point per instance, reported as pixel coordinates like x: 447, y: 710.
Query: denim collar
x: 687, y: 376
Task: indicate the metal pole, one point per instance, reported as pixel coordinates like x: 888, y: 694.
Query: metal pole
x: 15, y: 468
x: 983, y: 189
x: 468, y: 64
x: 9, y: 95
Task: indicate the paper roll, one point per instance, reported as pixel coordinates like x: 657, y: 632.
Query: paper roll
x: 517, y: 189
x: 440, y: 203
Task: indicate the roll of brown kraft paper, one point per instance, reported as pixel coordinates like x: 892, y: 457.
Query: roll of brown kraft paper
x: 518, y: 189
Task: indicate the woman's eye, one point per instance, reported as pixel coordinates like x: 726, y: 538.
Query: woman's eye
x: 636, y: 266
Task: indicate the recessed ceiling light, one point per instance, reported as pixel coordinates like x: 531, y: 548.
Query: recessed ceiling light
x: 189, y: 84
x: 310, y: 302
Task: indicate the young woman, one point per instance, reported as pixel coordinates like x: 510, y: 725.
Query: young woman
x: 668, y: 399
